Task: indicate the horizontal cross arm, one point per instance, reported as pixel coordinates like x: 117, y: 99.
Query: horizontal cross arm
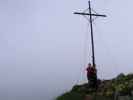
x: 89, y: 14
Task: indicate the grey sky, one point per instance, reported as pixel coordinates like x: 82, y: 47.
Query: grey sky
x: 43, y: 45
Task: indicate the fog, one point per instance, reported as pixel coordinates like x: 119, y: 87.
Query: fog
x: 45, y: 47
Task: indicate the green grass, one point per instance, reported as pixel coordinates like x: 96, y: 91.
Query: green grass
x: 71, y: 96
x: 123, y: 84
x: 78, y: 96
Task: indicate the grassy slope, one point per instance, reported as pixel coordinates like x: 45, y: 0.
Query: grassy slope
x: 122, y: 84
x: 71, y: 96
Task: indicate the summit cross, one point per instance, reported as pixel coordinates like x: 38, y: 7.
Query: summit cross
x: 91, y: 15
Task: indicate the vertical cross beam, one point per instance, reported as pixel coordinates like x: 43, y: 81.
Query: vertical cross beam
x: 92, y: 39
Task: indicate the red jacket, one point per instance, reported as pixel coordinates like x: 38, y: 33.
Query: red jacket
x: 91, y: 71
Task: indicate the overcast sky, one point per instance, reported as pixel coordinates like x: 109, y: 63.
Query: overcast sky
x: 44, y: 46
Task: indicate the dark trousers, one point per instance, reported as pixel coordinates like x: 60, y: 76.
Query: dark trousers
x: 92, y: 80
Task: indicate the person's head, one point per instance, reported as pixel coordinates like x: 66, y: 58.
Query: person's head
x: 89, y: 65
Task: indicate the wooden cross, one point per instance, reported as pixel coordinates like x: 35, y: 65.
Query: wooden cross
x: 91, y: 15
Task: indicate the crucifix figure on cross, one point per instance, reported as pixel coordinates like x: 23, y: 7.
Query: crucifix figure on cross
x: 92, y: 78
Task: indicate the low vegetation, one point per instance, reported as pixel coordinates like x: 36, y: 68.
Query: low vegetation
x: 122, y: 85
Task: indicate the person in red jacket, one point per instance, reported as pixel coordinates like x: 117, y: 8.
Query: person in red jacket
x: 91, y: 75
